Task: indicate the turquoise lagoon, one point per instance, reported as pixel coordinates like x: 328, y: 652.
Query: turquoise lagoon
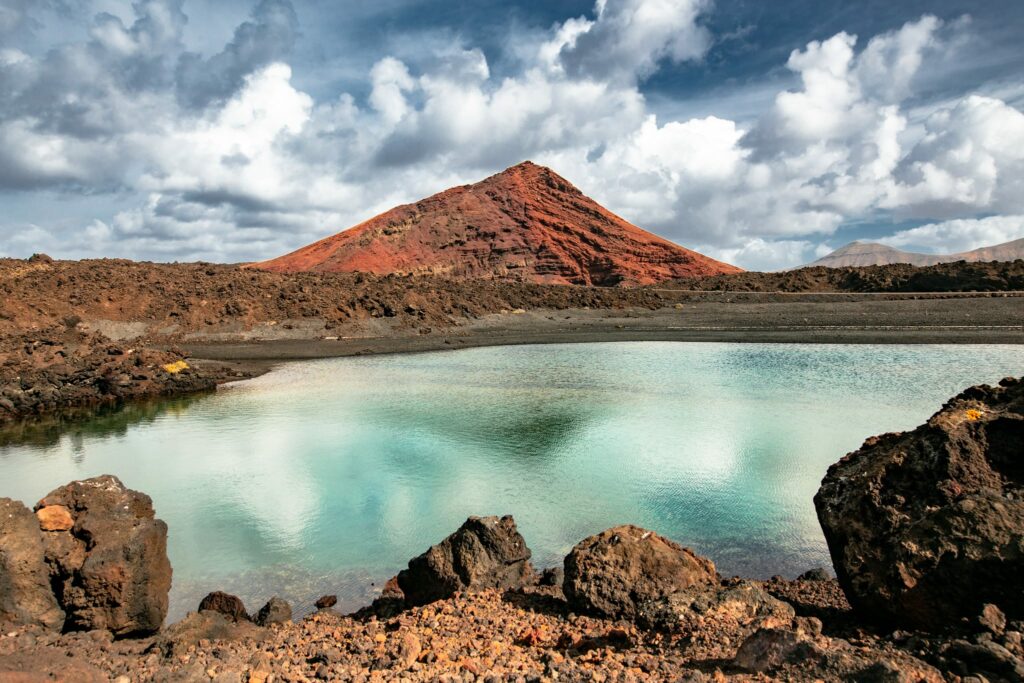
x: 326, y: 476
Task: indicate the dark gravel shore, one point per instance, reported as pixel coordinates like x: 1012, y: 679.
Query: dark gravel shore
x: 717, y: 317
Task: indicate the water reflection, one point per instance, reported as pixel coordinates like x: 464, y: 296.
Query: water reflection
x: 78, y: 424
x: 325, y: 476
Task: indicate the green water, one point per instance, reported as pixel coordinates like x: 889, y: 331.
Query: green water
x: 326, y: 476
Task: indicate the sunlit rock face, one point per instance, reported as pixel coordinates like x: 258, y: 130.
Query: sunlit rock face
x: 525, y: 224
x: 926, y: 527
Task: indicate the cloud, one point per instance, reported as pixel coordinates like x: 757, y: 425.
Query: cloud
x: 228, y: 158
x: 961, y: 234
x: 768, y: 255
x: 971, y: 158
x: 267, y: 37
x: 628, y: 38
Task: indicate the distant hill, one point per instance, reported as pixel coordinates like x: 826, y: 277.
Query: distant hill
x: 875, y: 254
x: 525, y: 224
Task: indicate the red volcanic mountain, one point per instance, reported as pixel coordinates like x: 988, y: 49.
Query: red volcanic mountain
x: 526, y: 223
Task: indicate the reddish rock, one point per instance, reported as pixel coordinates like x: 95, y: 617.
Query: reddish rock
x: 526, y: 224
x: 25, y: 594
x: 110, y: 571
x: 926, y: 527
x: 486, y: 552
x: 618, y: 571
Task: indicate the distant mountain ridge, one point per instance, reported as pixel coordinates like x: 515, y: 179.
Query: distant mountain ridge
x: 525, y: 224
x: 875, y: 254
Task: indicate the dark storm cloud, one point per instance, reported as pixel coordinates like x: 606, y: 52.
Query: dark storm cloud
x: 223, y: 198
x: 268, y: 36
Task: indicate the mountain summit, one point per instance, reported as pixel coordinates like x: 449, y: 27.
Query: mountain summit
x: 875, y: 254
x: 526, y: 223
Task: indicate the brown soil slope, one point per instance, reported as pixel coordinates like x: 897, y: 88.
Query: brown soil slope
x: 995, y: 276
x: 169, y: 299
x: 525, y: 224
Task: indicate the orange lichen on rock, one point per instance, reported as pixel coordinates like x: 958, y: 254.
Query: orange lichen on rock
x: 525, y: 224
x: 54, y: 518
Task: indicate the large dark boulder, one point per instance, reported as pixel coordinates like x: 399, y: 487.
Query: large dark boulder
x: 110, y: 569
x: 25, y: 594
x: 486, y: 552
x: 927, y: 526
x: 621, y: 569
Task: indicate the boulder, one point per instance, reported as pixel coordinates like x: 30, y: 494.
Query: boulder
x: 390, y: 602
x: 485, y: 552
x: 816, y: 574
x: 110, y: 570
x: 25, y: 593
x: 725, y: 615
x: 618, y: 570
x: 926, y: 527
x: 276, y: 611
x: 992, y: 620
x: 327, y: 602
x: 552, y: 576
x: 197, y: 626
x: 229, y: 605
x: 769, y: 648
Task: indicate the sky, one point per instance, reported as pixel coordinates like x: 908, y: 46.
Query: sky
x: 763, y: 134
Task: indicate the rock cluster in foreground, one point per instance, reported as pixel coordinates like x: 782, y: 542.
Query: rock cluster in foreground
x: 93, y: 557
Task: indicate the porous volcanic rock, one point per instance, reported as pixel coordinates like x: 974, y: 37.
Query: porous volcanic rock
x: 231, y: 606
x: 926, y: 527
x: 390, y: 602
x: 25, y: 594
x: 617, y: 571
x: 485, y: 552
x: 110, y: 570
x: 326, y: 601
x: 734, y: 612
x: 524, y: 224
x: 55, y: 371
x: 276, y: 611
x: 205, y: 626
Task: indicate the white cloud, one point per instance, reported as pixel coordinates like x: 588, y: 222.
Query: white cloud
x: 767, y: 255
x: 231, y: 160
x: 962, y: 234
x: 628, y: 38
x: 971, y: 158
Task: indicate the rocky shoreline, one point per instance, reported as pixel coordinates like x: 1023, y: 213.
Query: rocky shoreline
x: 84, y: 334
x: 925, y: 528
x: 61, y: 372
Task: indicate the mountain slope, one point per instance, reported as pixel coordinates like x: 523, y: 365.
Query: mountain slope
x: 874, y: 254
x: 525, y: 224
